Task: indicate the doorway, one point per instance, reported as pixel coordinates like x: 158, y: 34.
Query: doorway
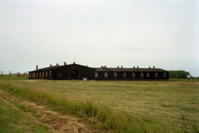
x: 74, y: 74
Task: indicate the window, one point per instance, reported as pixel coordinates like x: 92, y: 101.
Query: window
x: 46, y: 73
x: 156, y: 75
x: 96, y: 74
x: 59, y: 75
x: 105, y: 74
x: 50, y: 73
x: 142, y: 74
x: 164, y: 75
x: 115, y: 74
x: 148, y: 75
x: 124, y: 75
x: 33, y: 75
x: 39, y: 74
x: 133, y: 75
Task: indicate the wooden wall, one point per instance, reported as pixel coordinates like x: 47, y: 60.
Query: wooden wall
x: 135, y: 76
x: 78, y: 72
x: 64, y: 73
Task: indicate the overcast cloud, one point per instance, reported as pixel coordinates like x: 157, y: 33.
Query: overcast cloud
x: 161, y: 33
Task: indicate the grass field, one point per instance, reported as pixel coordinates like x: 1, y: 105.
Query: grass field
x: 13, y: 121
x: 118, y: 106
x: 13, y: 77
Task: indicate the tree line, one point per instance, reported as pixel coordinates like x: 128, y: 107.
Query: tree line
x: 180, y: 74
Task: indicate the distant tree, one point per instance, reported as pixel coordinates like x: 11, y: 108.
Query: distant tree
x: 180, y: 74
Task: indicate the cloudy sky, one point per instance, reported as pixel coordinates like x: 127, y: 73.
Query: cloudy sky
x: 161, y: 33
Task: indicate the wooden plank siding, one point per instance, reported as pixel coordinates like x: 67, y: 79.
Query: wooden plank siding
x: 74, y: 72
x: 66, y: 72
x: 131, y: 76
x: 40, y: 75
x: 79, y: 72
x: 121, y: 73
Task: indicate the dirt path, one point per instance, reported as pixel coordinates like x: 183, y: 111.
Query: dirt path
x: 56, y: 122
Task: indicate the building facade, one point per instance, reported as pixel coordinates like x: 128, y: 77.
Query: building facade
x: 79, y: 72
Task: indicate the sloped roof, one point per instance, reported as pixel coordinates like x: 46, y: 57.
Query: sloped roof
x: 46, y: 68
x: 106, y: 69
x: 57, y: 66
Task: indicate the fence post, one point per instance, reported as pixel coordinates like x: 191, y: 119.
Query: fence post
x: 9, y: 73
x: 1, y: 73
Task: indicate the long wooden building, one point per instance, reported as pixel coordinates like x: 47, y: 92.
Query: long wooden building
x: 80, y: 72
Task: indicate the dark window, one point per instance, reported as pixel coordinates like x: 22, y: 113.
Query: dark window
x: 148, y: 75
x: 124, y: 74
x: 133, y: 75
x: 156, y: 75
x: 96, y: 74
x: 105, y: 74
x: 142, y: 74
x: 115, y: 74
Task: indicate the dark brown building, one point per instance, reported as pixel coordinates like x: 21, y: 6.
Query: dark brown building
x: 79, y: 72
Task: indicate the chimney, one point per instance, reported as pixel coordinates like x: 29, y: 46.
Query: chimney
x: 149, y: 67
x: 73, y: 62
x: 36, y: 67
x: 118, y: 67
x: 104, y: 66
x: 57, y: 64
x: 133, y: 66
x: 121, y: 66
x: 153, y: 67
x: 101, y: 66
x: 137, y: 66
x: 50, y: 65
x: 65, y: 64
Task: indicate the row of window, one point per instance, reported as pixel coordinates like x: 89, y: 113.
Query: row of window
x: 40, y: 74
x: 132, y: 74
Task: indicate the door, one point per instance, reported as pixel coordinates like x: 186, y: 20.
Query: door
x: 74, y: 74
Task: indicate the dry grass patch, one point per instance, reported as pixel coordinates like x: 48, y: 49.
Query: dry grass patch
x: 149, y: 106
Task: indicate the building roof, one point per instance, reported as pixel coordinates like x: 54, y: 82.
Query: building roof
x: 46, y: 68
x: 106, y: 69
x: 57, y: 66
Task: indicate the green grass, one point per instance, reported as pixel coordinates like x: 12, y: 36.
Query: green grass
x: 13, y: 121
x: 12, y: 77
x: 118, y: 106
x: 184, y: 80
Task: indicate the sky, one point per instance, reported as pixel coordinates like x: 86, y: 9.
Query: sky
x: 160, y: 33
